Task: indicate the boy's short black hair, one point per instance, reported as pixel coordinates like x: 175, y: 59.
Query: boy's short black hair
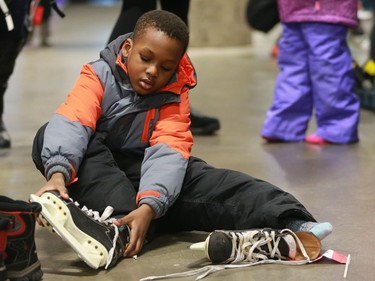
x: 164, y: 21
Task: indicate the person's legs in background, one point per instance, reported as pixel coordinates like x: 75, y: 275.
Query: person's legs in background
x: 45, y: 30
x: 9, y: 49
x: 11, y: 43
x: 332, y: 77
x: 130, y: 12
x: 200, y: 124
x: 288, y: 117
x: 179, y: 8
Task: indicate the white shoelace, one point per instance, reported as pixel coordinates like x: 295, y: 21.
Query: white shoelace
x: 249, y: 246
x: 8, y: 17
x: 104, y: 218
x: 243, y: 253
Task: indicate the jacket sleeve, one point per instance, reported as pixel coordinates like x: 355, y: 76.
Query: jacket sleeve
x: 68, y: 132
x: 165, y: 161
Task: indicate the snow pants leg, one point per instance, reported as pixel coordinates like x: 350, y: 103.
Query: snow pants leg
x: 210, y: 199
x: 337, y: 107
x: 315, y: 73
x: 291, y: 109
x: 214, y: 198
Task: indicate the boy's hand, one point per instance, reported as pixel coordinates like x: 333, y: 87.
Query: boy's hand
x: 57, y: 183
x: 139, y: 221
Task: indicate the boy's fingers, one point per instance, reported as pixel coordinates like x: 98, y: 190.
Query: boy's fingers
x: 64, y: 194
x: 121, y: 221
x: 135, y: 245
x: 130, y: 250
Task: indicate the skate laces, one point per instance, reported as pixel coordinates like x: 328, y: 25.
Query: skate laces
x: 250, y: 246
x: 246, y: 242
x: 104, y: 218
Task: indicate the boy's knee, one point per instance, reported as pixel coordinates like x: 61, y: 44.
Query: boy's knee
x: 37, y: 148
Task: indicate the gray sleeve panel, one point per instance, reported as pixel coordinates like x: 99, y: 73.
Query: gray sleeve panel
x: 64, y: 146
x: 163, y: 171
x: 103, y: 72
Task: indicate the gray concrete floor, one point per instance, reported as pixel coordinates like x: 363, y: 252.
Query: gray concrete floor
x: 336, y: 183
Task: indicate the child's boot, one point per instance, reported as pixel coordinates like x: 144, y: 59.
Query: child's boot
x: 6, y: 223
x: 17, y: 221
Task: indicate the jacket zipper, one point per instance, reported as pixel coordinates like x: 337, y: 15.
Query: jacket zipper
x: 149, y: 116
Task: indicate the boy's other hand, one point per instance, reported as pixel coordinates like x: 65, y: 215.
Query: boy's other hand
x: 139, y: 221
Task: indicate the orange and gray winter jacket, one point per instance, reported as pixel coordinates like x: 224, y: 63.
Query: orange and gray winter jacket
x: 160, y: 126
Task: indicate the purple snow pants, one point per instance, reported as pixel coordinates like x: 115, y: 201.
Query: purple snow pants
x: 316, y: 73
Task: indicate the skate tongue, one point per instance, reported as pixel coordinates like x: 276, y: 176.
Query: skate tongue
x: 288, y: 247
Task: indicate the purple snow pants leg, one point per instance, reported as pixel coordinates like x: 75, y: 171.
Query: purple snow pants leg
x: 315, y: 72
x: 337, y: 107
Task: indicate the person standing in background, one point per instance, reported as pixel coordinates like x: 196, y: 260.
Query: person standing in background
x: 41, y: 20
x: 316, y: 73
x: 130, y: 12
x: 14, y: 29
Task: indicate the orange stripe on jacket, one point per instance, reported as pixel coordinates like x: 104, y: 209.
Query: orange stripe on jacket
x: 74, y: 176
x: 152, y: 193
x: 173, y: 127
x: 83, y: 101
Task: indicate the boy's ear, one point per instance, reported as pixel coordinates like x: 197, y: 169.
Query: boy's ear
x: 128, y: 44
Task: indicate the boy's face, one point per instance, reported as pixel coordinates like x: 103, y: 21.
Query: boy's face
x: 152, y: 60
